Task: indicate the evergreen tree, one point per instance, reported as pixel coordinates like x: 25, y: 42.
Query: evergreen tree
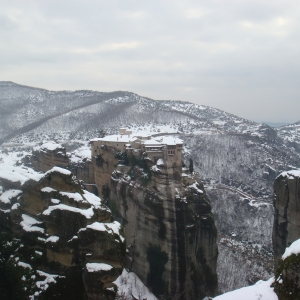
x: 191, y: 166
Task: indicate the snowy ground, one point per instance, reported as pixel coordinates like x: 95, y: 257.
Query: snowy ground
x: 262, y: 290
x: 131, y: 287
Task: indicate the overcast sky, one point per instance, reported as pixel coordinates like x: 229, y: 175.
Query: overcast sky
x: 236, y: 55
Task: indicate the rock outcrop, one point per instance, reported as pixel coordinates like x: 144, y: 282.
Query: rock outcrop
x: 70, y: 230
x: 167, y: 220
x: 287, y: 279
x: 165, y: 213
x: 286, y: 232
x: 48, y: 155
x: 286, y: 227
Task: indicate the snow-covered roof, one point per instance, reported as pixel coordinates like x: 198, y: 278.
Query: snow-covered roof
x: 115, y: 138
x: 152, y: 143
x: 143, y: 135
x: 170, y: 140
x: 157, y: 141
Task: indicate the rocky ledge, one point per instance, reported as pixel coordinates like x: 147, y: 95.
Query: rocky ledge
x: 53, y: 231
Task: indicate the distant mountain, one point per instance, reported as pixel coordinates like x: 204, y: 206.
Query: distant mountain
x: 277, y: 124
x: 25, y: 108
x: 291, y: 135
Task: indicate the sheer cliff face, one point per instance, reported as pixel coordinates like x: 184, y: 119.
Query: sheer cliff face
x: 287, y: 212
x: 168, y: 225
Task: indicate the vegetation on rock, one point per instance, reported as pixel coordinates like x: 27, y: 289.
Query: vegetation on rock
x: 157, y: 260
x: 287, y: 278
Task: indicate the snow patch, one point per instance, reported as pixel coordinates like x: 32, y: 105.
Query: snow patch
x: 294, y: 248
x: 28, y: 224
x: 155, y: 168
x: 290, y: 174
x: 160, y: 162
x: 48, y: 189
x: 260, y: 291
x: 95, y: 267
x: 15, y: 206
x: 51, y: 146
x: 44, y: 284
x: 55, y: 201
x: 75, y: 196
x: 194, y: 186
x: 79, y: 154
x: 113, y: 227
x: 52, y: 239
x: 88, y: 213
x: 24, y: 265
x: 8, y: 195
x: 59, y: 170
x: 18, y: 174
x: 131, y: 287
x: 93, y: 200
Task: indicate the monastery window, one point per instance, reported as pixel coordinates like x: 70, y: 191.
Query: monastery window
x: 171, y: 147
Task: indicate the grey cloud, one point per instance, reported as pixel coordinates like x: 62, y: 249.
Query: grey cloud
x: 240, y: 56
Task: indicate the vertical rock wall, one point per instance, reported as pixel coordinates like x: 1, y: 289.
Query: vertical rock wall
x: 169, y: 228
x: 286, y: 227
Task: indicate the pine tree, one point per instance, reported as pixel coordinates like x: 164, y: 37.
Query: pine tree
x: 191, y: 166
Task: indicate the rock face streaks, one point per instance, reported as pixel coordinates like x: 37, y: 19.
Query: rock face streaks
x: 168, y: 224
x: 286, y: 231
x: 166, y: 215
x: 286, y: 227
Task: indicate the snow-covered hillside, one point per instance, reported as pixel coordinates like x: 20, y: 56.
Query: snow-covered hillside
x: 237, y: 159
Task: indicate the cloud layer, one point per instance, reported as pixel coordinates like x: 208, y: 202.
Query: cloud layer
x: 237, y: 55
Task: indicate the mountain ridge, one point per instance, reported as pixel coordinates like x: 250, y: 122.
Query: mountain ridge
x: 35, y: 106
